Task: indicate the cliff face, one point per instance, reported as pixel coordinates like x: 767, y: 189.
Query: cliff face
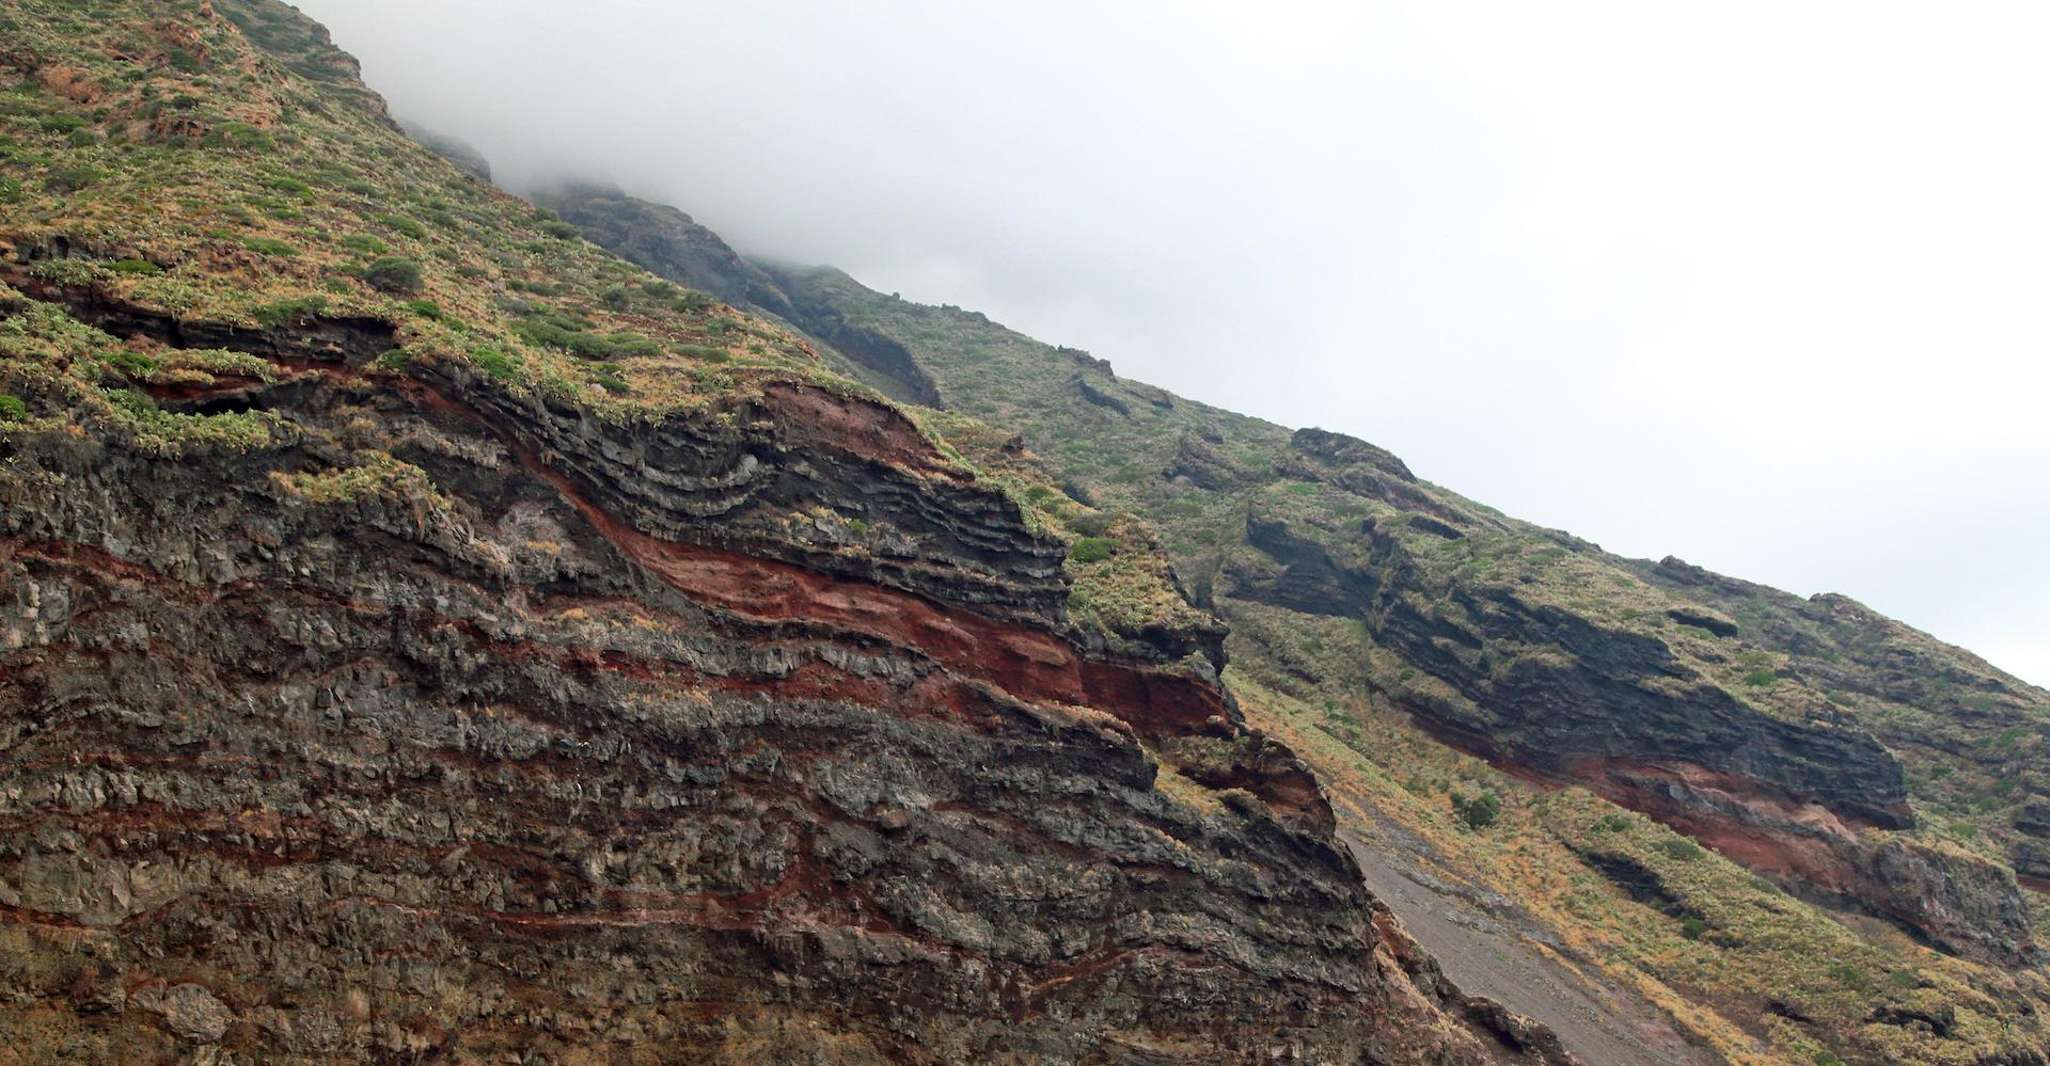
x: 327, y: 760
x: 1860, y: 766
x: 430, y: 638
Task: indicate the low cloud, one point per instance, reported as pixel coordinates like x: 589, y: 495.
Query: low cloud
x: 1753, y: 284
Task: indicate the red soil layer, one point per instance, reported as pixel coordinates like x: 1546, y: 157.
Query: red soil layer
x: 1792, y: 838
x: 1029, y: 664
x: 857, y: 426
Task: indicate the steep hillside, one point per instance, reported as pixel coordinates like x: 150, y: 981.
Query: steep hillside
x: 1891, y: 782
x: 426, y: 637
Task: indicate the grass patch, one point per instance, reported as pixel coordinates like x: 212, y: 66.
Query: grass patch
x: 269, y: 246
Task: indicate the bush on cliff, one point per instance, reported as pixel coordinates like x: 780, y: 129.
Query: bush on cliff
x: 1477, y: 812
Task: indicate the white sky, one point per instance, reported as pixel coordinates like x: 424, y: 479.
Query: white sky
x: 1764, y: 285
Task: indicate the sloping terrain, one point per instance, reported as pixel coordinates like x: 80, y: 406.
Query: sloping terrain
x: 427, y: 637
x: 1868, y: 792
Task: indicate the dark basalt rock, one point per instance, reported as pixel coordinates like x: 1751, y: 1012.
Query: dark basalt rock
x: 1089, y: 392
x: 1083, y: 359
x: 2034, y: 818
x: 1159, y: 398
x: 810, y: 309
x: 1337, y: 449
x: 670, y: 243
x: 1939, y: 1021
x: 1721, y: 627
x: 1198, y: 461
x: 1602, y: 694
x: 693, y: 478
x: 1434, y: 527
x: 1640, y: 882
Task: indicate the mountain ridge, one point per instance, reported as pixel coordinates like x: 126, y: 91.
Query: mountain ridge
x: 428, y: 636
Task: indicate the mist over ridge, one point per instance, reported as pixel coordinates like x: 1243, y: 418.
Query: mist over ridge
x: 1776, y: 324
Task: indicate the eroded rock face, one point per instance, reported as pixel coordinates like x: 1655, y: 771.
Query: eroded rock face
x: 1946, y: 897
x: 1617, y: 712
x: 1601, y: 695
x: 563, y: 751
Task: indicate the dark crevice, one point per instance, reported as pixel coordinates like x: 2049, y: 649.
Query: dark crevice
x: 1642, y: 883
x: 352, y: 340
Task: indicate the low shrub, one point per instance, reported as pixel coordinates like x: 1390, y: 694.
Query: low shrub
x: 131, y: 364
x: 495, y: 363
x: 1092, y: 549
x: 1090, y: 523
x: 70, y: 179
x: 405, y: 225
x: 393, y: 275
x: 1681, y: 849
x: 1477, y: 812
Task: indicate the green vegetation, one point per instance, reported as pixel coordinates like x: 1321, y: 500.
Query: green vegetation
x: 495, y: 363
x: 1091, y: 550
x: 404, y: 226
x: 297, y: 309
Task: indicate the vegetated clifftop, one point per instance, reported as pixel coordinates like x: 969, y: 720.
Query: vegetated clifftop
x: 1854, y: 761
x: 425, y: 636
